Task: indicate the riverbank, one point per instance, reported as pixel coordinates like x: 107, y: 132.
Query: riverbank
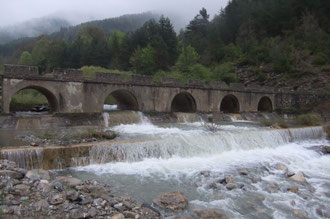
x: 42, y: 194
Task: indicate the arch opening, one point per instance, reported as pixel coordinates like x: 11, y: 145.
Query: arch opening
x: 265, y: 105
x: 120, y: 100
x: 34, y: 100
x: 183, y: 102
x: 229, y: 104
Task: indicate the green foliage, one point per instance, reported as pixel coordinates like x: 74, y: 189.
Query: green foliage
x: 143, y: 60
x: 25, y: 59
x: 225, y: 72
x: 89, y: 71
x: 320, y: 59
x: 309, y: 120
x: 188, y: 57
x: 200, y: 72
x: 26, y: 99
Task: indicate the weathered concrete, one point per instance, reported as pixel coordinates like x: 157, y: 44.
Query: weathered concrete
x: 69, y: 92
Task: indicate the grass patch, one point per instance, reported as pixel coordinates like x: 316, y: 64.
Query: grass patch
x: 309, y: 120
x: 89, y: 71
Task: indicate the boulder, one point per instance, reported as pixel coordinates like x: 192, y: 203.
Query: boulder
x: 205, y: 214
x: 299, y: 177
x: 11, y: 174
x: 172, y: 201
x: 229, y: 179
x: 280, y: 166
x: 118, y: 216
x: 244, y: 172
x: 293, y: 189
x: 38, y: 174
x: 70, y: 181
x: 231, y: 186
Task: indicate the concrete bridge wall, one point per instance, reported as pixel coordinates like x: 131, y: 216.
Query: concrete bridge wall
x: 69, y: 92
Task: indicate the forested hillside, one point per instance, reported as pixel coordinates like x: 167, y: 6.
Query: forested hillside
x: 32, y: 28
x: 272, y: 42
x: 10, y: 52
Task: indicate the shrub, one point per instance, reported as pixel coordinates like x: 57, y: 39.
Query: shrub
x: 225, y: 72
x: 320, y: 59
x: 309, y: 119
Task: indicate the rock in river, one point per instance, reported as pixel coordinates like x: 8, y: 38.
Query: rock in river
x: 172, y: 201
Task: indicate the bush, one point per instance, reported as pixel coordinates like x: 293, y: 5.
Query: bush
x: 225, y: 72
x: 320, y: 59
x: 309, y: 119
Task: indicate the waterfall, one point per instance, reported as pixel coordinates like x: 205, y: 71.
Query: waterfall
x: 27, y: 159
x: 200, y: 143
x: 106, y: 118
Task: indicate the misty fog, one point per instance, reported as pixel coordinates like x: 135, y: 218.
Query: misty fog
x: 77, y: 11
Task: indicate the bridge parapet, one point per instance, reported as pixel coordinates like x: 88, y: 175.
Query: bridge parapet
x: 68, y: 74
x: 218, y: 84
x: 196, y: 83
x: 111, y: 77
x: 21, y: 71
x: 142, y: 79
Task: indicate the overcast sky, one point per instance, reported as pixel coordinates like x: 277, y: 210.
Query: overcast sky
x: 16, y: 11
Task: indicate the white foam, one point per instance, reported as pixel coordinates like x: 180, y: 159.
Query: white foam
x: 108, y: 107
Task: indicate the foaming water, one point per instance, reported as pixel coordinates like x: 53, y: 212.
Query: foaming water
x: 195, y: 161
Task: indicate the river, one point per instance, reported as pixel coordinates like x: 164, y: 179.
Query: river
x: 190, y: 158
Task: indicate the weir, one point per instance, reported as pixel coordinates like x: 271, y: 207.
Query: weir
x: 184, y: 144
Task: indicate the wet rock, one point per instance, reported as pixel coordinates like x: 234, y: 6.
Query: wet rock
x: 172, y: 201
x: 272, y: 187
x: 321, y: 149
x: 120, y: 207
x: 72, y: 195
x: 11, y: 174
x: 231, y: 186
x: 244, y: 172
x: 205, y: 173
x: 70, y: 181
x: 118, y: 216
x: 58, y: 186
x: 229, y: 179
x: 38, y: 173
x: 34, y: 144
x: 57, y: 199
x: 41, y: 205
x: 22, y: 187
x: 44, y: 186
x: 280, y: 166
x: 299, y: 177
x: 293, y: 189
x: 205, y: 214
x: 292, y: 203
x: 300, y: 213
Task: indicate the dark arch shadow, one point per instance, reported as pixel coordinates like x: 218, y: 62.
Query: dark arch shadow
x: 183, y: 102
x: 124, y: 99
x: 265, y: 105
x: 51, y: 98
x: 229, y: 104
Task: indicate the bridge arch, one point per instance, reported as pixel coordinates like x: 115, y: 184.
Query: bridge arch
x: 51, y: 98
x: 265, y: 105
x: 124, y: 99
x: 183, y: 102
x: 230, y: 104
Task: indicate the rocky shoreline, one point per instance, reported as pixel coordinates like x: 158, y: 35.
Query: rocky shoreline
x: 44, y: 194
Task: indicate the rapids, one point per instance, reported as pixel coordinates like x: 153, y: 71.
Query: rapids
x: 190, y: 158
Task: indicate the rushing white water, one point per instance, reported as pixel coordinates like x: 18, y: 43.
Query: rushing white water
x: 107, y: 107
x: 189, y: 158
x: 106, y: 118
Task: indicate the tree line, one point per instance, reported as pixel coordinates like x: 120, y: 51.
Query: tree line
x: 289, y: 37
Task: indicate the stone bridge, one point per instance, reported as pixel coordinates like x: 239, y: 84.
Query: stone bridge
x: 68, y: 91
